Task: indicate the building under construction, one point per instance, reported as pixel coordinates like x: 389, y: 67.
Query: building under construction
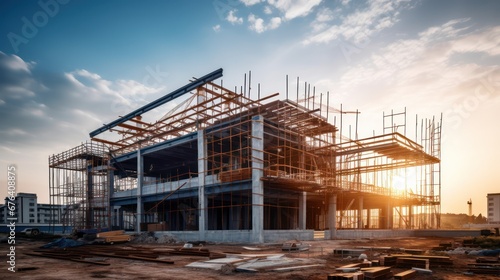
x: 222, y: 166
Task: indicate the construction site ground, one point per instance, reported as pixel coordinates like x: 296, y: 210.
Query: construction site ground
x: 35, y: 267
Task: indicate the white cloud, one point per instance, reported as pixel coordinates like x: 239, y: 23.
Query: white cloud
x: 427, y: 67
x: 17, y: 92
x: 258, y: 25
x: 216, y: 28
x: 324, y: 14
x: 268, y: 10
x: 275, y: 23
x: 323, y: 17
x: 16, y: 132
x: 233, y: 19
x: 68, y: 104
x: 250, y: 2
x: 294, y: 8
x: 15, y: 63
x: 361, y: 24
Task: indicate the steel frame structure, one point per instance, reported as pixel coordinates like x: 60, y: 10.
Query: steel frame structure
x: 304, y: 153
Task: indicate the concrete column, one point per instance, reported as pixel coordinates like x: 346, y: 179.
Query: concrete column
x: 368, y: 218
x: 388, y: 220
x: 360, y: 212
x: 202, y: 201
x: 140, y: 206
x: 302, y: 210
x: 410, y: 216
x: 332, y: 216
x: 257, y: 184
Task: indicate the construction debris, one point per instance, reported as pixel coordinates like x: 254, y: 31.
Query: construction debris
x: 93, y: 254
x: 257, y: 262
x: 295, y: 246
x: 149, y: 238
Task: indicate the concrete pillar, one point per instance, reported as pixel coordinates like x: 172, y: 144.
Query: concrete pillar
x: 202, y: 201
x: 360, y: 212
x: 140, y: 206
x: 332, y: 216
x: 410, y: 216
x: 257, y: 184
x: 368, y: 218
x: 302, y: 210
x: 389, y: 215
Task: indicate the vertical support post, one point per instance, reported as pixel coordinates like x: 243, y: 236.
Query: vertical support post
x: 202, y: 202
x: 89, y: 217
x: 332, y: 216
x: 410, y: 216
x: 111, y: 190
x: 121, y: 222
x: 257, y: 184
x: 140, y: 174
x: 368, y: 218
x: 388, y: 224
x: 302, y: 210
x: 360, y: 212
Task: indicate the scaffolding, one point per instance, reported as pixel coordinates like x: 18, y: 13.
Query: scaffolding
x: 305, y: 157
x: 79, y: 183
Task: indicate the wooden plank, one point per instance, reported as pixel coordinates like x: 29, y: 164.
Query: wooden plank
x: 117, y: 238
x: 110, y: 233
x: 372, y: 272
x: 405, y: 275
x: 413, y: 262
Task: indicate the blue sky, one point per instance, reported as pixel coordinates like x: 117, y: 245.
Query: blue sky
x: 68, y: 66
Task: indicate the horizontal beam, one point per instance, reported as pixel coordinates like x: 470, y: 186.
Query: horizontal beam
x: 160, y: 101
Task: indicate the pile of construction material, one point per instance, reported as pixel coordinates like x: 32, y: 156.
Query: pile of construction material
x: 113, y: 236
x: 381, y: 268
x: 485, y: 265
x: 150, y: 238
x: 257, y: 263
x: 98, y: 254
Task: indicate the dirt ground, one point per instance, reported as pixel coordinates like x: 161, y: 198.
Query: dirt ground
x: 46, y: 268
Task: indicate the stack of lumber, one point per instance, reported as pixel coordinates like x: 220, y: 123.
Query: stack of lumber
x: 200, y: 252
x: 113, y: 236
x: 377, y: 273
x: 406, y: 275
x: 413, y: 262
x: 485, y: 266
x: 406, y: 260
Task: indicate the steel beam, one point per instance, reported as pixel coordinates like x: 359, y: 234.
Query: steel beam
x: 160, y: 101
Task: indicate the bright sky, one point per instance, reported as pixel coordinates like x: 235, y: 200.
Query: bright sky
x: 68, y: 66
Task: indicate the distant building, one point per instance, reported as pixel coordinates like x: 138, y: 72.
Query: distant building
x: 28, y: 211
x: 493, y: 207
